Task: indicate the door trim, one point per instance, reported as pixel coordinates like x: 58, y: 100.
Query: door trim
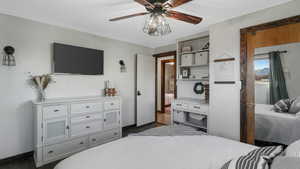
x: 162, y: 84
x: 247, y: 123
x: 159, y: 55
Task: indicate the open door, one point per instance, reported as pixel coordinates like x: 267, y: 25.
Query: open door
x: 145, y: 89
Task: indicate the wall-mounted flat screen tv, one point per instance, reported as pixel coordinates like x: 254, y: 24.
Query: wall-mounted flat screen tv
x: 69, y: 59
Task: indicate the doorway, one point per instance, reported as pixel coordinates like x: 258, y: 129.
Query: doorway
x: 165, y: 86
x: 263, y: 47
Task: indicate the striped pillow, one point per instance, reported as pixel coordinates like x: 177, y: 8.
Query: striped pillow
x: 256, y: 159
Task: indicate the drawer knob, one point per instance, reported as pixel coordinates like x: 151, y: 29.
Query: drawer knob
x: 50, y: 152
x: 94, y: 139
x: 56, y: 110
x: 112, y: 104
x: 87, y: 107
x: 67, y: 127
x: 88, y: 117
x: 87, y: 127
x: 81, y: 143
x: 104, y: 120
x: 115, y: 134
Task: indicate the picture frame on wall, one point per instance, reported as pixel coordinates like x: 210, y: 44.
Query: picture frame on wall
x: 185, y: 72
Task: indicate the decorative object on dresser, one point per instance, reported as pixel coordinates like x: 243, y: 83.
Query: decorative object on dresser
x: 8, y: 57
x: 109, y: 89
x: 63, y: 127
x: 190, y: 112
x: 41, y: 83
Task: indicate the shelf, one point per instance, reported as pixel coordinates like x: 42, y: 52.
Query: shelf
x: 193, y: 80
x: 192, y: 125
x: 192, y: 52
x: 195, y: 66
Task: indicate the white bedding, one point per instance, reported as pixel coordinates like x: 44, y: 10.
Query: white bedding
x: 276, y: 127
x: 150, y: 152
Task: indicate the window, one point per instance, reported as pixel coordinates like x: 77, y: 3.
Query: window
x: 262, y: 70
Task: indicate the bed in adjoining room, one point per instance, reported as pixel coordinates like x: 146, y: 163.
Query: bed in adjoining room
x: 271, y: 126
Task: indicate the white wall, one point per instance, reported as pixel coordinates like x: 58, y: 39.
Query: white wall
x: 32, y: 41
x: 262, y: 92
x: 290, y: 63
x: 224, y: 119
x: 166, y: 48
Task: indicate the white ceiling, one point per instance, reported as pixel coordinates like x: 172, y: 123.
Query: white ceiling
x: 92, y: 16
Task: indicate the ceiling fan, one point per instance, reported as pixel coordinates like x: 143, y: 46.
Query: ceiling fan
x: 157, y: 10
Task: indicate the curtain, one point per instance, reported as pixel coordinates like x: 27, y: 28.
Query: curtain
x: 278, y: 88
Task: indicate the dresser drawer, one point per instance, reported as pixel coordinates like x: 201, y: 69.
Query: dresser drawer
x: 86, y: 108
x: 110, y: 105
x: 101, y: 138
x: 178, y: 105
x: 88, y: 117
x: 86, y: 128
x: 195, y: 107
x: 55, y: 111
x: 199, y: 108
x: 58, y: 150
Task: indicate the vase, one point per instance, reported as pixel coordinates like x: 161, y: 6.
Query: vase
x: 42, y: 95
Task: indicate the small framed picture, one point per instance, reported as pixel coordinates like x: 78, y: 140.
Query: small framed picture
x: 185, y: 72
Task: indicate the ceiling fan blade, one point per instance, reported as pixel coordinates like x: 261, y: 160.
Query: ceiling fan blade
x: 145, y: 3
x: 175, y: 3
x: 129, y: 16
x: 184, y: 17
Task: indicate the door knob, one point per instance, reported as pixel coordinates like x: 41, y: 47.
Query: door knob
x: 139, y: 93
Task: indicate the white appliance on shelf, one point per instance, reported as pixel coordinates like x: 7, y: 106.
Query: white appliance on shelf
x: 63, y: 127
x: 190, y: 112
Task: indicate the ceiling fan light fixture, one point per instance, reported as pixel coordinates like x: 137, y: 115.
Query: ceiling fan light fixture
x: 156, y: 25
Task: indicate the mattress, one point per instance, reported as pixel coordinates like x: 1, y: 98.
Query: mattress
x: 151, y: 152
x: 275, y: 127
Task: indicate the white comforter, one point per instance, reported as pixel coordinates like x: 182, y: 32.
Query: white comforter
x: 276, y: 127
x: 150, y: 152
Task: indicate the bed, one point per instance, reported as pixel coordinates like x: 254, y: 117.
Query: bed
x: 159, y: 152
x: 275, y: 127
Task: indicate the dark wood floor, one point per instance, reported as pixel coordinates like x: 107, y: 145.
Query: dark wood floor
x: 27, y: 162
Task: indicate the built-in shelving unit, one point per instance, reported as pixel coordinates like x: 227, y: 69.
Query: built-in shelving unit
x: 193, y: 52
x: 194, y: 61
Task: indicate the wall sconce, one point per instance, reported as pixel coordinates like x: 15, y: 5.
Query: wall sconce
x: 8, y: 58
x: 122, y: 66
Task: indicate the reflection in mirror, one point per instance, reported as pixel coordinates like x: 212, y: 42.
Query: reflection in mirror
x: 277, y: 91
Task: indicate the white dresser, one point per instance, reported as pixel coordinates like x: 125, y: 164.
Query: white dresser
x: 66, y: 126
x: 190, y: 112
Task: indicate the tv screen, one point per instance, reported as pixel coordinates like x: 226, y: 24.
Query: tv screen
x: 77, y: 60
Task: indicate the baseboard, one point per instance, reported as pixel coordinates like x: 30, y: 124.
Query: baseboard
x: 16, y: 157
x: 130, y: 126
